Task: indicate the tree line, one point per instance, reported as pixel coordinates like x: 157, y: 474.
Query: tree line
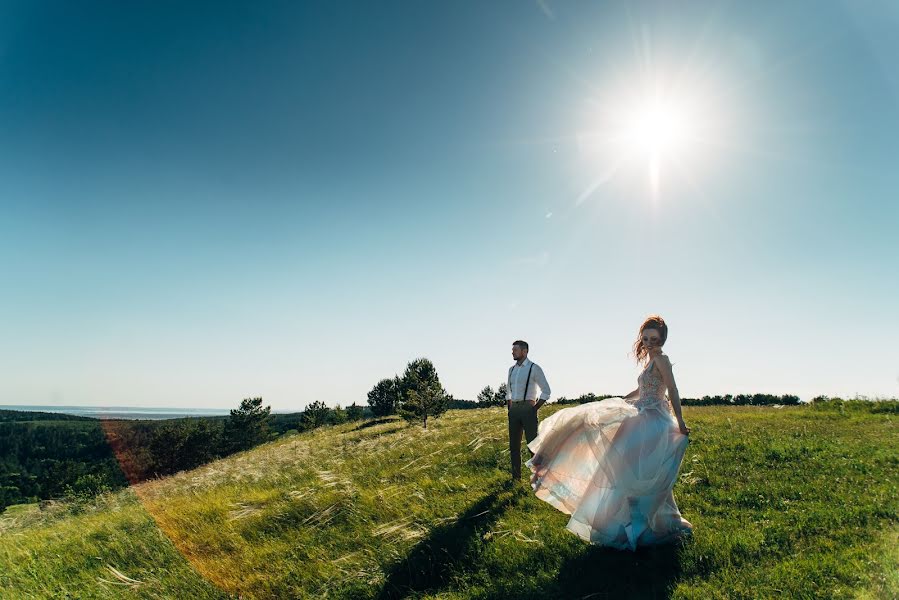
x: 52, y: 455
x: 743, y: 400
x: 487, y: 397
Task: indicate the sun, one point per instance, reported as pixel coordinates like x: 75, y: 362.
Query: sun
x: 653, y: 131
x: 657, y: 131
x: 656, y: 128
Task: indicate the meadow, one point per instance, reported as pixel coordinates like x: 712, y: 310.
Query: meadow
x: 798, y: 501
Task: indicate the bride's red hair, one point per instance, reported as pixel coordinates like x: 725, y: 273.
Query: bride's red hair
x: 651, y: 322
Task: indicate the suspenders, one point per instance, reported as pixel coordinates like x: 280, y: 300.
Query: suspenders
x: 527, y: 382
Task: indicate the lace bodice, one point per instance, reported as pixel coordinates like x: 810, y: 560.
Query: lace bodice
x: 652, y: 389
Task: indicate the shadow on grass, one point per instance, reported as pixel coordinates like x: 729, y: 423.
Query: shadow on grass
x: 648, y: 573
x: 606, y: 573
x: 449, y: 548
x: 368, y: 424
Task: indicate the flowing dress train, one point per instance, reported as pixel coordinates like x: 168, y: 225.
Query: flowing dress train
x: 612, y: 465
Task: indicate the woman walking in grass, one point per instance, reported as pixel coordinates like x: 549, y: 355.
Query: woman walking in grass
x: 612, y: 464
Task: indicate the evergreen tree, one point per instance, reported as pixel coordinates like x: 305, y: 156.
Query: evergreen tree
x: 354, y: 412
x: 247, y: 425
x: 315, y: 415
x: 423, y: 395
x: 384, y: 398
x: 487, y: 397
x: 501, y: 394
x: 338, y: 415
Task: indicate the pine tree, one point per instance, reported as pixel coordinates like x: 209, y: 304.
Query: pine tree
x: 487, y: 397
x: 315, y: 415
x: 422, y: 394
x: 248, y: 424
x: 354, y: 412
x: 500, y: 398
x: 384, y: 398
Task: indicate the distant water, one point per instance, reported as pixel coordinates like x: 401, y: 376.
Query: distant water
x: 123, y: 412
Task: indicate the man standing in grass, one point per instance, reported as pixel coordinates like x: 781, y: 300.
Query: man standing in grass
x: 522, y: 403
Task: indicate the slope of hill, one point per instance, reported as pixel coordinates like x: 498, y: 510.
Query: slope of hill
x: 798, y: 501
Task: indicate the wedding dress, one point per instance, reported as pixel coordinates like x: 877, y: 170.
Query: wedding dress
x: 611, y: 465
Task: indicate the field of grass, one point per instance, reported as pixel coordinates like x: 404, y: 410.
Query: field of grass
x: 786, y: 502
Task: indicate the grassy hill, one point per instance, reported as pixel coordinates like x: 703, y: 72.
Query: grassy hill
x: 798, y: 501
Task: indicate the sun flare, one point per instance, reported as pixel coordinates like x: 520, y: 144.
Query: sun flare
x: 652, y: 133
x: 657, y: 128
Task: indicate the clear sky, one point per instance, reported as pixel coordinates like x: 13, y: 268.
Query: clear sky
x: 201, y: 202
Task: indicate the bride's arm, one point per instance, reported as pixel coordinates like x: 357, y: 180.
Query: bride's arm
x: 664, y: 364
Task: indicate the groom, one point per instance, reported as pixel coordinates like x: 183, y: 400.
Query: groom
x: 522, y: 403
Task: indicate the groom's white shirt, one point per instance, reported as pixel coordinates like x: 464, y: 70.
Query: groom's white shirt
x: 517, y: 376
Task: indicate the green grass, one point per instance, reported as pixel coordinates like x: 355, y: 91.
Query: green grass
x: 791, y: 502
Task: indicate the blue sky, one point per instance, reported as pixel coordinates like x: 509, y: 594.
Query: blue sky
x: 208, y: 201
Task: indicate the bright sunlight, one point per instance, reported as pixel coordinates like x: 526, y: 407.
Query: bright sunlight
x: 656, y: 128
x: 652, y: 131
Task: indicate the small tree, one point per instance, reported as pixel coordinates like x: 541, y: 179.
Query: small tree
x: 354, y: 412
x: 384, y: 398
x: 247, y: 425
x: 338, y: 415
x: 423, y: 396
x: 501, y: 391
x: 588, y: 397
x: 315, y: 415
x: 182, y: 444
x: 487, y: 397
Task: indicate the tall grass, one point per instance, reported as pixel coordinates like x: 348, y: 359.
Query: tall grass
x: 796, y: 502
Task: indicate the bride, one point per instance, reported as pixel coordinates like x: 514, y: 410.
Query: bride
x: 612, y: 464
